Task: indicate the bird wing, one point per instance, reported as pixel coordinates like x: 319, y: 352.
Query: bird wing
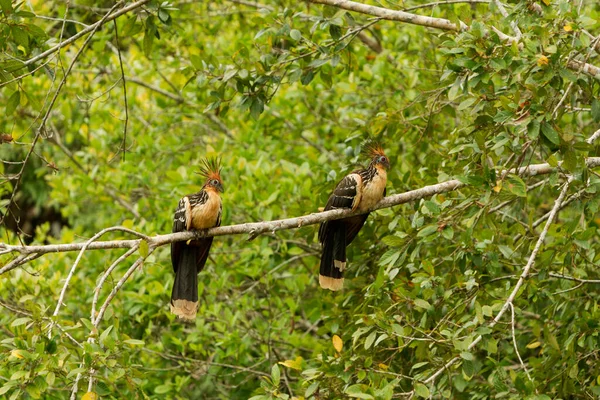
x: 346, y: 194
x: 180, y: 222
x: 204, y: 246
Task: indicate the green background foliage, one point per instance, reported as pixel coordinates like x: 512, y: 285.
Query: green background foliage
x: 287, y: 93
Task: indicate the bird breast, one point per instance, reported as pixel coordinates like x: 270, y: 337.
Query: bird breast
x: 373, y: 189
x: 205, y: 215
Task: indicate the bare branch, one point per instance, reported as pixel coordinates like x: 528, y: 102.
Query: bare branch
x: 571, y: 278
x: 594, y: 137
x: 504, y: 13
x: 118, y: 286
x: 72, y: 270
x: 105, y: 275
x: 514, y: 338
x: 254, y: 229
x: 392, y: 15
x: 586, y: 68
x: 441, y: 3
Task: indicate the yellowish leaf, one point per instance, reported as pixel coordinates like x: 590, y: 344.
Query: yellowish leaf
x: 16, y: 354
x: 543, y: 60
x: 533, y: 345
x: 568, y: 28
x: 383, y: 367
x: 293, y: 364
x: 337, y: 343
x: 90, y: 396
x: 498, y: 187
x: 546, y: 2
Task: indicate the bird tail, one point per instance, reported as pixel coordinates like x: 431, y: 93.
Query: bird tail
x: 184, y: 298
x: 333, y: 259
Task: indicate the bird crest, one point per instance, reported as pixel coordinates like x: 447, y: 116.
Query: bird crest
x: 210, y: 168
x: 374, y: 149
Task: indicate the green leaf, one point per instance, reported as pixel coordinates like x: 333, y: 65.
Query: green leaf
x: 427, y: 230
x: 275, y: 374
x: 516, y: 185
x: 6, y: 6
x: 20, y: 321
x: 335, y: 32
x: 256, y: 108
x: 148, y: 41
x: 421, y: 390
x: 422, y: 303
x: 134, y: 342
x: 162, y: 389
x: 357, y: 392
x: 4, y: 389
x: 311, y: 389
x: 392, y: 241
x: 596, y: 110
x: 51, y: 346
x: 144, y: 248
x: 19, y: 35
x: 550, y: 133
x: 295, y: 34
x: 12, y: 103
x: 533, y: 129
x: 370, y: 340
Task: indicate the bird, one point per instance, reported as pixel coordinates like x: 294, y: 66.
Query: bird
x: 360, y: 190
x: 201, y: 210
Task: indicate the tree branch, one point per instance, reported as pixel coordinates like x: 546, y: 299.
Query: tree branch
x: 393, y: 15
x: 504, y: 13
x: 253, y: 229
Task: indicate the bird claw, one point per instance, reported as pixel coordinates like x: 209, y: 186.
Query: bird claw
x: 252, y: 235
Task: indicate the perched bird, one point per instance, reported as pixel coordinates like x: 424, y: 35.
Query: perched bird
x: 360, y: 190
x: 200, y: 210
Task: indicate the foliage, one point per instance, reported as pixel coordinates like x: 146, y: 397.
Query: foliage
x: 286, y: 93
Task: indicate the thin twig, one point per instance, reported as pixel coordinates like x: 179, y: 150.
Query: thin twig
x: 517, y: 287
x: 77, y: 260
x: 105, y: 276
x: 118, y: 286
x: 60, y: 328
x: 504, y: 13
x: 514, y: 338
x: 124, y: 145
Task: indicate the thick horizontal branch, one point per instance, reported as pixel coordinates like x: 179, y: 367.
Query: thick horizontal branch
x: 586, y: 68
x: 392, y: 15
x: 256, y: 228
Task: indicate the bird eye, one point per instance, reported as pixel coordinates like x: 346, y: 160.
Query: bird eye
x: 382, y: 159
x: 214, y: 182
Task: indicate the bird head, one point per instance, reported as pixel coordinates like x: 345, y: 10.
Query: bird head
x: 378, y: 157
x: 210, y: 169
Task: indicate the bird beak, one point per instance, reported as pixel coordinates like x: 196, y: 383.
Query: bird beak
x: 220, y: 188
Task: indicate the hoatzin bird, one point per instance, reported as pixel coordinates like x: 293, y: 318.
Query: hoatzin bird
x: 360, y: 190
x: 200, y: 210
